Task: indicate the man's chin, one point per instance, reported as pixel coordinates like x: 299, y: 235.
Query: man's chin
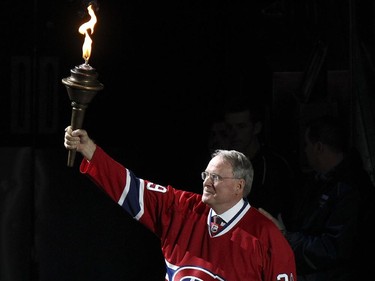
x: 207, y: 197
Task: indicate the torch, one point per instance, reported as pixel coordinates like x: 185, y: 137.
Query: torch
x: 82, y: 85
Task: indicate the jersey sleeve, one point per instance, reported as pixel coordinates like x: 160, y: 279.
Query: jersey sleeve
x: 150, y: 203
x: 282, y: 262
x: 106, y: 173
x: 278, y: 257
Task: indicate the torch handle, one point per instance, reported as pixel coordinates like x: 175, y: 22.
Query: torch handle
x: 78, y: 114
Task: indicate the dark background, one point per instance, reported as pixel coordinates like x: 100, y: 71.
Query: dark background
x: 168, y: 68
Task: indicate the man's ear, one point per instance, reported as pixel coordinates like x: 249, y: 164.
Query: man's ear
x: 241, y: 185
x: 258, y: 128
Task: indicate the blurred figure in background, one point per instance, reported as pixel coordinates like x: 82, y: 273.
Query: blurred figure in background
x: 329, y: 232
x: 274, y: 176
x: 218, y: 136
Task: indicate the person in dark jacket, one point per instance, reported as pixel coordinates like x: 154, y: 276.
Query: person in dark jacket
x: 335, y: 206
x: 275, y: 175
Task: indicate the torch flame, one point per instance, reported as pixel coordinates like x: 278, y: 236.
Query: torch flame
x: 83, y: 29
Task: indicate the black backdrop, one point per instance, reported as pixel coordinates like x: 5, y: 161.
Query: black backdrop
x: 56, y: 226
x: 167, y: 69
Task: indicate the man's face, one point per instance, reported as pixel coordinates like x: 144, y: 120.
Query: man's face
x: 218, y: 138
x: 223, y: 193
x: 240, y: 130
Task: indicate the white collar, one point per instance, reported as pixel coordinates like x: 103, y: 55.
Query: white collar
x: 229, y: 214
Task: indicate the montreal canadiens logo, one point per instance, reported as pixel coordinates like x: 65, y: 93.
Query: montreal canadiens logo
x: 190, y: 273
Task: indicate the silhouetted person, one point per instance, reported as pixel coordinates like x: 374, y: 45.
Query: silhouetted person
x: 274, y: 176
x: 218, y: 136
x: 335, y: 206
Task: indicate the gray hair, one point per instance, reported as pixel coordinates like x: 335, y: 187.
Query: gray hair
x: 241, y: 165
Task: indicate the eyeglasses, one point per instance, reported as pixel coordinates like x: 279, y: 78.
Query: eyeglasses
x: 214, y: 177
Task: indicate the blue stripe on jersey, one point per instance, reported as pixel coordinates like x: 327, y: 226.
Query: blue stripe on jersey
x: 133, y: 203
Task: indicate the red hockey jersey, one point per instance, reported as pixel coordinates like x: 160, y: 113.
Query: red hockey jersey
x: 249, y: 247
